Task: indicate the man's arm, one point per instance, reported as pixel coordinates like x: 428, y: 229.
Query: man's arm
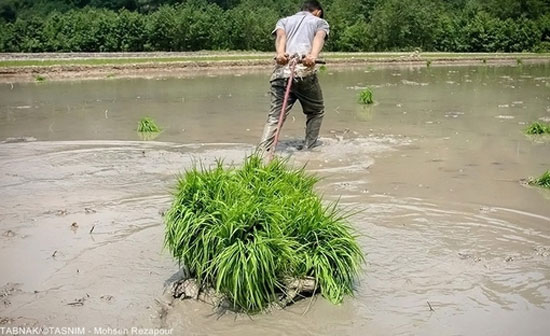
x: 318, y: 43
x: 280, y: 46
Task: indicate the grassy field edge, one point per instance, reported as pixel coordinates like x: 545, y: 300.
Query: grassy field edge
x: 234, y: 58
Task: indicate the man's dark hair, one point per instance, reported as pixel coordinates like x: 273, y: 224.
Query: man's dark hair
x: 312, y: 5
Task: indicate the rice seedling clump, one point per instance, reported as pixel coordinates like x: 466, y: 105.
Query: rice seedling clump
x: 246, y: 231
x: 366, y: 97
x: 537, y: 128
x: 148, y: 125
x: 543, y: 181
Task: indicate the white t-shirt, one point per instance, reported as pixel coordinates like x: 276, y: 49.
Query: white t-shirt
x: 300, y: 30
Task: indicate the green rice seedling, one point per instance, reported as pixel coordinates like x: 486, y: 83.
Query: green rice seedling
x: 543, y: 181
x: 538, y: 128
x: 519, y: 61
x: 148, y: 125
x: 484, y: 61
x: 323, y: 68
x: 366, y: 96
x: 428, y: 63
x: 243, y: 231
x: 39, y: 78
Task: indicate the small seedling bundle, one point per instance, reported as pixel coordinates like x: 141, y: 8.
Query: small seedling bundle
x: 543, y: 181
x: 538, y: 128
x: 519, y: 61
x: 244, y: 232
x: 366, y: 96
x: 148, y: 125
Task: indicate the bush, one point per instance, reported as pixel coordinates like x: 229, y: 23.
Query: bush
x: 361, y: 25
x: 544, y: 24
x: 129, y: 32
x: 244, y: 231
x: 479, y: 33
x: 249, y: 29
x: 199, y: 27
x: 5, y: 35
x: 161, y: 29
x: 448, y: 35
x: 543, y: 47
x: 24, y: 35
x: 353, y: 37
x: 404, y: 25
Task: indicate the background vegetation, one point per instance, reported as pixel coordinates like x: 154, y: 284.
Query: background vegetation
x: 357, y: 25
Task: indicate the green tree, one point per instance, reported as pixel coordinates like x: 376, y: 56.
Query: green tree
x: 448, y: 34
x: 404, y: 25
x: 249, y: 29
x: 25, y: 35
x: 354, y: 37
x: 356, y: 25
x: 129, y: 30
x: 544, y: 25
x: 198, y: 26
x: 161, y: 29
x: 515, y: 9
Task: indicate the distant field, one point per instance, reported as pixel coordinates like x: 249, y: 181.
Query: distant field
x: 67, y: 66
x: 105, y: 59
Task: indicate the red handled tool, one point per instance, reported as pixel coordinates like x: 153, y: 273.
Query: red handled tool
x: 294, y: 60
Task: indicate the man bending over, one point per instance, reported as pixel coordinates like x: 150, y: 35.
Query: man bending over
x: 299, y: 36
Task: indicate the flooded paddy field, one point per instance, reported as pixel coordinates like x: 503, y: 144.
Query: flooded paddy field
x: 455, y: 243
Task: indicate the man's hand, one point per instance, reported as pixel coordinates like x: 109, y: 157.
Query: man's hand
x: 318, y: 43
x: 281, y: 59
x: 309, y: 60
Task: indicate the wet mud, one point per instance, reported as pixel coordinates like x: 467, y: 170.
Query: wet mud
x: 456, y: 244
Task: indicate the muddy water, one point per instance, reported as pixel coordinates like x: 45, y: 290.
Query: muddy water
x: 456, y: 244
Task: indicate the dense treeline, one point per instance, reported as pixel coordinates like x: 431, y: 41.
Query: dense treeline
x: 357, y: 25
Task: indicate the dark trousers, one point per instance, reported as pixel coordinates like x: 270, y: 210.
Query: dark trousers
x: 306, y: 90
